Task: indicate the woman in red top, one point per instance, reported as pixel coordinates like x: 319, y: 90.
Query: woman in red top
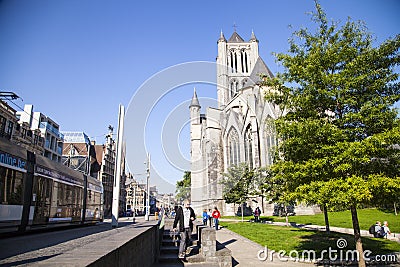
x: 216, y: 215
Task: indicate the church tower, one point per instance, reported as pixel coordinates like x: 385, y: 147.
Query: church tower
x: 197, y: 180
x: 235, y: 62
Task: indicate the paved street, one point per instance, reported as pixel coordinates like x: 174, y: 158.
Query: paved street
x: 36, y: 247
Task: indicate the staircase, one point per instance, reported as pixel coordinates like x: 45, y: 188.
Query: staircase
x: 170, y: 248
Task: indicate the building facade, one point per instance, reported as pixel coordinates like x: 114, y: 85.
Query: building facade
x: 49, y: 130
x: 106, y: 155
x: 79, y: 153
x: 239, y: 130
x: 19, y: 132
x: 8, y: 120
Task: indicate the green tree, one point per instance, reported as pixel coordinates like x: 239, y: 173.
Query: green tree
x: 339, y: 133
x: 273, y: 187
x: 183, y: 187
x: 238, y: 184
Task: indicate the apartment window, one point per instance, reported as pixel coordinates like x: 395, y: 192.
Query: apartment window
x: 35, y: 139
x: 2, y: 125
x: 10, y: 126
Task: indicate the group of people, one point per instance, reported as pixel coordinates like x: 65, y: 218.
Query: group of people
x: 184, y: 218
x: 380, y: 231
x: 208, y: 217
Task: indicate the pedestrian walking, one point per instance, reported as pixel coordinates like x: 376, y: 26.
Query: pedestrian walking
x: 205, y: 217
x: 216, y: 215
x: 257, y: 212
x: 184, y: 217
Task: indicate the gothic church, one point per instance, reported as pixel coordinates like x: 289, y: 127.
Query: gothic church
x: 237, y: 130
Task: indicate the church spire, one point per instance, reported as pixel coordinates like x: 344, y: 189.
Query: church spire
x: 221, y: 37
x: 253, y: 37
x: 195, y: 100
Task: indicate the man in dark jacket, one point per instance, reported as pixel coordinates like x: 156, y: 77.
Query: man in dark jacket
x: 185, y: 217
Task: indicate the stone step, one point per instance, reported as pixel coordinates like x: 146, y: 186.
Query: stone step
x: 169, y: 258
x: 169, y: 250
x: 160, y: 264
x: 170, y: 243
x: 168, y: 237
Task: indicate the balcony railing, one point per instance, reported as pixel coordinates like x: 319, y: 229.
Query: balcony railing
x: 49, y: 127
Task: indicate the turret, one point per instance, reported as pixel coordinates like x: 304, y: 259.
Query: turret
x: 222, y: 63
x: 254, y: 48
x: 195, y: 109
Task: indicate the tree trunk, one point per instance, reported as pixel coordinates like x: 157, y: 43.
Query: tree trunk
x: 357, y: 236
x: 328, y: 231
x: 242, y: 211
x: 287, y: 217
x: 262, y: 203
x: 395, y: 210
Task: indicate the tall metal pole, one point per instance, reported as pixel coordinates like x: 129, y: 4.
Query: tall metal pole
x: 134, y: 202
x: 146, y: 217
x: 118, y: 171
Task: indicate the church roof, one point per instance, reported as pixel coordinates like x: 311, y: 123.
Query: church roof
x: 235, y: 38
x: 259, y: 68
x: 195, y: 100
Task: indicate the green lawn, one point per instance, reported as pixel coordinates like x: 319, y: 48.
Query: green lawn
x: 366, y: 217
x: 289, y: 238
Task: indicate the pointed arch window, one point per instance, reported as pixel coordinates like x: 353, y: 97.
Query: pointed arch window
x: 233, y: 88
x: 248, y: 146
x: 242, y: 60
x: 233, y: 147
x: 245, y: 62
x: 244, y: 82
x: 232, y: 62
x: 271, y: 141
x: 236, y: 65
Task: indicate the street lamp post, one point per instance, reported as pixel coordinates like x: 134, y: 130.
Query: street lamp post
x: 146, y: 217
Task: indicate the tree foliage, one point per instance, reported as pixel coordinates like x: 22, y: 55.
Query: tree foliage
x: 183, y: 187
x: 238, y: 183
x: 339, y: 133
x: 338, y: 93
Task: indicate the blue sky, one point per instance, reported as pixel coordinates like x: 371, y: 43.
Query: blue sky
x: 77, y: 60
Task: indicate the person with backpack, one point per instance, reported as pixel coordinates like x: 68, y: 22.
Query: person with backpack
x: 376, y: 230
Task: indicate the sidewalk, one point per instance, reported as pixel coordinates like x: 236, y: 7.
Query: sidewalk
x: 245, y: 252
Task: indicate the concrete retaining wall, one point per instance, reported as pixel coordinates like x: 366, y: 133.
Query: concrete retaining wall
x: 136, y: 245
x: 142, y: 250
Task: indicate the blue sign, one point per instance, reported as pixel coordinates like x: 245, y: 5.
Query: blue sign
x: 12, y: 161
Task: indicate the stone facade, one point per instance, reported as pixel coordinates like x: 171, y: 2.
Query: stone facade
x: 238, y: 130
x: 49, y: 130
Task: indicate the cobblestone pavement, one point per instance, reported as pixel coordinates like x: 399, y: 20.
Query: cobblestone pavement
x: 32, y: 248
